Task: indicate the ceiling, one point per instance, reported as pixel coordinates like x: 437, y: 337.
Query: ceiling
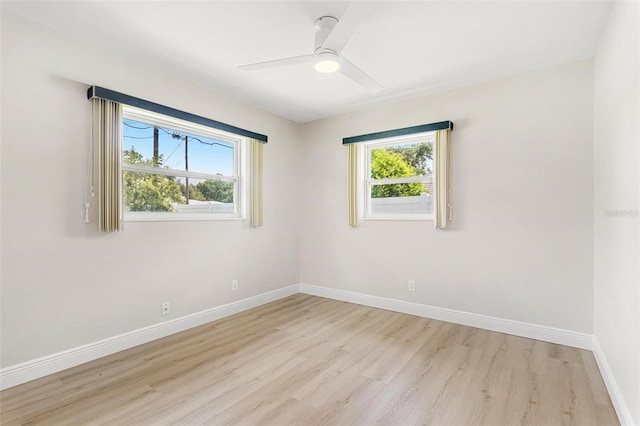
x: 409, y: 47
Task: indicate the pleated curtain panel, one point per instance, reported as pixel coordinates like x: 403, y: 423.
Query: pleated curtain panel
x: 255, y: 182
x: 353, y: 185
x: 442, y: 208
x: 107, y: 133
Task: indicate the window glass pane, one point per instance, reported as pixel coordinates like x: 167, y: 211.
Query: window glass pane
x: 209, y: 190
x: 160, y: 146
x: 402, y: 198
x: 208, y: 196
x: 144, y: 192
x: 403, y: 160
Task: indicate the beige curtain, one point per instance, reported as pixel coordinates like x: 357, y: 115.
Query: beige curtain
x: 107, y: 128
x: 353, y: 185
x: 255, y: 182
x: 442, y: 208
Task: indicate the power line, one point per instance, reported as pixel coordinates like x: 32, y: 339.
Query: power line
x: 177, y: 135
x: 174, y: 150
x: 135, y: 127
x: 212, y: 143
x: 173, y: 134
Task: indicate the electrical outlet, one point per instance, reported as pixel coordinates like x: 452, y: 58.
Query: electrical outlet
x: 234, y: 285
x: 412, y: 285
x: 165, y: 309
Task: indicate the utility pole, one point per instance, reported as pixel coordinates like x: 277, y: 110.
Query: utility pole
x: 186, y: 164
x: 155, y: 145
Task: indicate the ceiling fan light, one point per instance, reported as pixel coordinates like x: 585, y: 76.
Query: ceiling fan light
x: 327, y: 62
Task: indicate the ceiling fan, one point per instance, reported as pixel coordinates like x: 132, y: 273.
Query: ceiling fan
x: 331, y: 37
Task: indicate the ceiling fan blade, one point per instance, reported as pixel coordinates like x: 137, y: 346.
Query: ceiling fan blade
x: 346, y: 26
x: 356, y: 74
x: 278, y: 63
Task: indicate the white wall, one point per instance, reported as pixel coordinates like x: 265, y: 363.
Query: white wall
x: 617, y: 186
x: 521, y: 244
x: 63, y: 283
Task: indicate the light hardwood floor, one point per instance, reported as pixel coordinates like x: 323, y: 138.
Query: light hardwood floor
x: 310, y: 361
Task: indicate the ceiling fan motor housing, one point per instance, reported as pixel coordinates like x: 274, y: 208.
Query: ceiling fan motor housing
x: 324, y: 26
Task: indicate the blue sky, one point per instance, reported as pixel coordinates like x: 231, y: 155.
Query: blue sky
x: 205, y: 154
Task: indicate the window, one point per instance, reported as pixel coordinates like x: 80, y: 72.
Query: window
x: 211, y: 183
x: 401, y: 174
x: 397, y: 177
x: 178, y: 170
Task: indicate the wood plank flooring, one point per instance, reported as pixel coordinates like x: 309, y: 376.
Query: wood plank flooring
x: 312, y: 361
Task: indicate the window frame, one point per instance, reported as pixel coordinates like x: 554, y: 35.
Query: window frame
x: 239, y: 164
x: 366, y: 183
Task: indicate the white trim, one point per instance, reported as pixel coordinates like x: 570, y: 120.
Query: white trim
x: 622, y: 409
x: 407, y: 216
x: 40, y: 367
x: 365, y: 183
x: 392, y: 181
x: 237, y: 142
x: 516, y: 328
x: 163, y: 171
x: 412, y: 138
x: 179, y: 217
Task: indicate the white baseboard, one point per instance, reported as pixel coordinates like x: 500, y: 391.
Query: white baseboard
x: 516, y: 328
x: 34, y: 369
x: 622, y: 410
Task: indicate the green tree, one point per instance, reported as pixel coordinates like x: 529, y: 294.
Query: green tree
x: 216, y: 190
x: 388, y: 164
x: 149, y: 192
x: 416, y: 156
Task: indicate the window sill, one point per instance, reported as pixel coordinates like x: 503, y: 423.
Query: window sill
x: 407, y: 217
x: 178, y: 217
